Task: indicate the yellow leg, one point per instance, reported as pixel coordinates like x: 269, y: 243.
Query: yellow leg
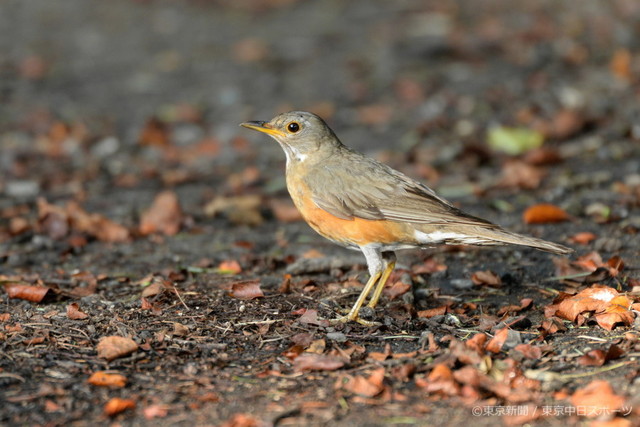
x: 353, y: 313
x: 381, y: 283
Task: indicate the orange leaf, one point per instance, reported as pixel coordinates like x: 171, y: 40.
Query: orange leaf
x: 229, y: 267
x: 368, y: 387
x: 583, y: 238
x: 74, y: 312
x: 117, y: 405
x: 113, y: 347
x: 544, y: 213
x: 249, y: 289
x: 317, y: 362
x: 163, y: 216
x: 105, y: 379
x: 498, y: 340
x: 598, y: 396
x: 26, y: 292
x: 438, y: 311
x: 487, y: 277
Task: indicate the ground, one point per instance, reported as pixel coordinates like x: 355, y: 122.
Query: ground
x: 154, y: 271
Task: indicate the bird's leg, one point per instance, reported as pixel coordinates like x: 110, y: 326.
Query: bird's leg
x: 375, y: 262
x: 390, y: 262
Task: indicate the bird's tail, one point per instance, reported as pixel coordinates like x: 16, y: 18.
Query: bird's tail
x: 493, y: 235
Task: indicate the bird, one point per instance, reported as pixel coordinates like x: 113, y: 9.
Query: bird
x: 362, y: 204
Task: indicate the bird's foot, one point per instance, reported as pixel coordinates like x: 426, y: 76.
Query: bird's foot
x: 352, y: 316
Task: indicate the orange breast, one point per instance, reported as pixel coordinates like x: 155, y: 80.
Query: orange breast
x: 357, y: 231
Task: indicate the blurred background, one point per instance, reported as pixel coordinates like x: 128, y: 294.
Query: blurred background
x: 140, y: 95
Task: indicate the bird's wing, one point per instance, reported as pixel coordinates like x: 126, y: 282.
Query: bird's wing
x: 372, y: 190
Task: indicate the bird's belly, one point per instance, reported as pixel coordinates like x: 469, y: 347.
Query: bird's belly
x: 356, y: 232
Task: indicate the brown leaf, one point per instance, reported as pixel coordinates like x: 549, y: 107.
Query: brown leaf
x: 477, y: 343
x: 529, y: 351
x: 240, y: 210
x: 248, y: 289
x: 243, y: 420
x: 396, y: 289
x: 155, y: 133
x: 370, y: 386
x: 155, y: 411
x: 74, y: 312
x: 609, y: 307
x: 544, y: 213
x: 317, y: 362
x: 440, y: 381
x: 438, y: 311
x: 117, y: 405
x: 592, y: 358
x: 106, y: 379
x: 163, y: 216
x: 620, y: 64
x: 495, y: 344
x: 26, y: 292
x: 583, y: 238
x: 488, y: 278
x: 114, y: 346
x: 596, y: 397
x: 284, y: 210
x: 518, y: 174
x: 229, y: 267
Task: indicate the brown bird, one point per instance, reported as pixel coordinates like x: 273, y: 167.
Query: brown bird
x: 362, y: 204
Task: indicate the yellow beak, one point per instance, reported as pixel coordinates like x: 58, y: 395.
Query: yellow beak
x: 264, y: 127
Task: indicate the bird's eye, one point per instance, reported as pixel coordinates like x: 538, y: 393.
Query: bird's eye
x: 293, y: 127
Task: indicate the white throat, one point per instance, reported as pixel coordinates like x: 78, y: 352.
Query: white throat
x: 293, y: 153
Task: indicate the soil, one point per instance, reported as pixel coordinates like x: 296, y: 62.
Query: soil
x: 106, y: 105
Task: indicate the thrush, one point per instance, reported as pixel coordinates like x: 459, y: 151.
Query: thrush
x: 362, y: 204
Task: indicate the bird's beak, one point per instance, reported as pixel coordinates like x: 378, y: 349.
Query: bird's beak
x: 264, y: 127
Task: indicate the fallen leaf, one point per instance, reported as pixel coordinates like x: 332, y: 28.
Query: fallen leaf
x: 620, y: 64
x: 440, y: 381
x: 518, y: 174
x: 243, y: 420
x: 229, y: 267
x: 477, y: 343
x: 317, y: 362
x: 155, y: 411
x: 26, y: 292
x: 495, y: 344
x: 438, y: 311
x: 240, y: 210
x: 596, y: 398
x: 117, y: 405
x: 583, y: 238
x: 105, y: 379
x: 488, y: 278
x: 114, y: 346
x: 592, y: 358
x: 163, y: 216
x: 155, y: 133
x: 396, y: 289
x: 608, y: 306
x: 74, y: 312
x: 514, y: 141
x: 246, y: 290
x: 370, y: 386
x: 529, y: 351
x: 284, y: 210
x: 544, y: 213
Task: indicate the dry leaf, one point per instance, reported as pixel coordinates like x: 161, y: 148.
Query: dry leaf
x: 488, y: 278
x: 583, y: 238
x: 518, y: 174
x: 544, y: 213
x: 26, y: 292
x: 74, y: 312
x: 163, y: 216
x: 371, y: 386
x: 246, y: 290
x: 105, y: 379
x: 229, y: 267
x: 495, y: 344
x: 117, y: 405
x: 155, y: 411
x: 284, y: 210
x: 317, y: 362
x: 438, y: 311
x: 113, y: 347
x: 598, y: 396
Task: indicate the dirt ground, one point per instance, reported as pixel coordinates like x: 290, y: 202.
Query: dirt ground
x: 154, y: 271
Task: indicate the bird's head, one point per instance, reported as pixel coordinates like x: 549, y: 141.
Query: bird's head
x: 298, y: 132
